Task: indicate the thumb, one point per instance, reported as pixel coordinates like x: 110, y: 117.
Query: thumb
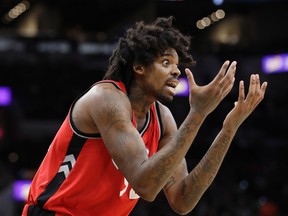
x: 190, y: 77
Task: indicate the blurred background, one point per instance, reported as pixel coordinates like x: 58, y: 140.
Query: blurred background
x: 51, y: 51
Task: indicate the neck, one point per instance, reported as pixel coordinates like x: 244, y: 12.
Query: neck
x: 140, y: 102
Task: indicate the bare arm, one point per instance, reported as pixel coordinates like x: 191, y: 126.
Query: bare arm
x: 147, y: 176
x: 184, y: 191
x: 112, y: 116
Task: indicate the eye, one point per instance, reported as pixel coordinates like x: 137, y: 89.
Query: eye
x: 166, y: 63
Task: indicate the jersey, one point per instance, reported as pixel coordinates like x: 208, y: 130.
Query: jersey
x: 78, y: 176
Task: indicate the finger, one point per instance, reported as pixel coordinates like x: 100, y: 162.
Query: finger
x: 228, y: 87
x: 258, y: 91
x: 263, y: 88
x: 257, y: 79
x: 231, y: 71
x: 241, y: 96
x: 225, y: 80
x: 190, y: 77
x: 262, y: 92
x: 252, y: 88
x: 222, y: 70
x: 232, y: 68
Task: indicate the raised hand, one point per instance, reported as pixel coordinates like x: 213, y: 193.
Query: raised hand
x: 244, y: 106
x: 204, y: 99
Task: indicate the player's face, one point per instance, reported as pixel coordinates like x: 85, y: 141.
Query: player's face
x: 163, y: 74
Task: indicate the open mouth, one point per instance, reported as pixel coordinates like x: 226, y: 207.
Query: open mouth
x: 173, y: 84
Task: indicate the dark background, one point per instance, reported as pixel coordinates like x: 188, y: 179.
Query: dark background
x: 56, y: 49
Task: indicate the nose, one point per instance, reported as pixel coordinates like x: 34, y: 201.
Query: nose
x: 176, y: 72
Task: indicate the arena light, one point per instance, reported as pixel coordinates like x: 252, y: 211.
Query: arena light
x: 5, y: 96
x: 21, y: 189
x: 277, y: 63
x: 210, y: 19
x: 183, y: 87
x: 16, y: 11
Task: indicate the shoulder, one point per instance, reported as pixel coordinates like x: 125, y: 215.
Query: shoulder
x: 103, y: 94
x: 164, y: 111
x: 102, y: 104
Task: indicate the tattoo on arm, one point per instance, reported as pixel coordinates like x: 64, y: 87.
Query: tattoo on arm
x: 170, y: 182
x: 204, y: 173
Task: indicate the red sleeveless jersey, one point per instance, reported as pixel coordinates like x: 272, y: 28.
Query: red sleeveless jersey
x: 78, y: 176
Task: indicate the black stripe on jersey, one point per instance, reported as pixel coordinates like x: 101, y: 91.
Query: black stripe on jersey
x: 159, y: 118
x: 34, y: 210
x: 80, y: 133
x: 146, y: 124
x: 74, y: 149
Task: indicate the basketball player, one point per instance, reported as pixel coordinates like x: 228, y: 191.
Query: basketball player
x: 119, y: 142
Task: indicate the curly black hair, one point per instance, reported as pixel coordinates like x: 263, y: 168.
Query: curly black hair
x: 142, y: 44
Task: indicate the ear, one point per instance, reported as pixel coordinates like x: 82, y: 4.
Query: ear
x: 139, y: 69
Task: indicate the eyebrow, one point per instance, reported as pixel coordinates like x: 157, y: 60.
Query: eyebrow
x: 170, y: 54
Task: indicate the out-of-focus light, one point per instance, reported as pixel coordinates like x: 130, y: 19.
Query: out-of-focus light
x: 88, y: 48
x: 210, y: 19
x: 5, y: 96
x: 218, y: 2
x: 13, y: 157
x: 183, y: 87
x: 244, y: 184
x: 54, y: 47
x: 21, y: 189
x: 207, y: 21
x: 220, y: 14
x: 275, y: 63
x: 200, y: 24
x: 16, y: 11
x: 214, y: 17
